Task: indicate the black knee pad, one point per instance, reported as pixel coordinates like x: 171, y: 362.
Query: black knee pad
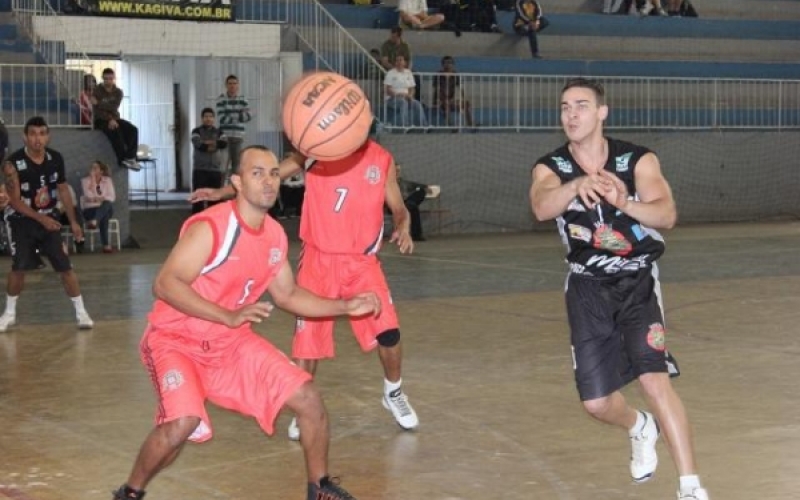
x: 389, y: 338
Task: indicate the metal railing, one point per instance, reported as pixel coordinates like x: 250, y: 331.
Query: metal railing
x: 55, y: 55
x: 39, y: 89
x: 330, y: 46
x: 529, y: 102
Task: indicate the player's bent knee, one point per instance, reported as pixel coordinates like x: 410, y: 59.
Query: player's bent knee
x: 178, y: 431
x: 389, y: 338
x: 597, y: 407
x: 305, y: 399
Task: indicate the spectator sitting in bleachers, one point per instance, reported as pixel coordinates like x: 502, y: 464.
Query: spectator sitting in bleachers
x: 123, y: 135
x: 456, y: 18
x: 528, y: 20
x: 393, y: 47
x: 414, y: 13
x: 98, y: 195
x: 448, y: 94
x: 483, y: 15
x: 399, y: 88
x: 413, y: 194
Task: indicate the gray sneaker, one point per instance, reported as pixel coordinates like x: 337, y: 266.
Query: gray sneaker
x: 397, y: 403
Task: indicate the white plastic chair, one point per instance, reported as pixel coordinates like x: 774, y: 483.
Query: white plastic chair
x: 113, y: 235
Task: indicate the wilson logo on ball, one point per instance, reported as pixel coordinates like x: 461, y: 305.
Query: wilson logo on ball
x: 326, y: 116
x: 314, y: 94
x: 344, y: 107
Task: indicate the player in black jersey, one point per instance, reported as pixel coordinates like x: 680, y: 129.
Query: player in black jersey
x: 609, y: 197
x: 35, y: 181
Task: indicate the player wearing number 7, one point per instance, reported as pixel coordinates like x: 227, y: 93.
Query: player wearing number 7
x: 342, y: 231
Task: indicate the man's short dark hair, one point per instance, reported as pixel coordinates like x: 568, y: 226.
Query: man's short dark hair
x: 207, y: 110
x: 257, y: 147
x: 231, y: 77
x: 108, y: 71
x: 35, y: 121
x: 448, y: 58
x: 397, y: 30
x: 587, y: 83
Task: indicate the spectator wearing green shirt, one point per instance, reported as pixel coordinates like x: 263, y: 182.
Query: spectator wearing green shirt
x: 393, y: 47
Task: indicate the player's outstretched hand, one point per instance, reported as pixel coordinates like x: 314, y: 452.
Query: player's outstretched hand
x: 363, y: 304
x: 253, y: 313
x: 205, y: 194
x: 403, y: 241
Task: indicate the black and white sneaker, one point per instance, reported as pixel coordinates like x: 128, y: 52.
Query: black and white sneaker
x: 328, y: 489
x: 125, y: 492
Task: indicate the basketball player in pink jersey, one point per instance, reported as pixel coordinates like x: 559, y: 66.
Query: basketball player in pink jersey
x: 199, y: 344
x: 342, y: 231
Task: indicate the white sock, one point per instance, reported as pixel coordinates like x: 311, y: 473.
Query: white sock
x: 78, y: 303
x: 689, y: 483
x: 389, y: 387
x: 639, y: 425
x: 11, y: 305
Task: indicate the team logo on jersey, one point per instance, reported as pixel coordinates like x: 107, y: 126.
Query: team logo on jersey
x: 22, y: 165
x: 275, y: 256
x: 373, y: 174
x: 605, y: 238
x: 656, y: 337
x: 563, y: 165
x: 577, y: 232
x: 42, y: 197
x: 623, y: 161
x: 172, y: 380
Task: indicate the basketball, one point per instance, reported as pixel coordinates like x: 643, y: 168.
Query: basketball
x: 326, y: 116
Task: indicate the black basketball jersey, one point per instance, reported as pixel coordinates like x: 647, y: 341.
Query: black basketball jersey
x: 38, y: 183
x: 603, y: 241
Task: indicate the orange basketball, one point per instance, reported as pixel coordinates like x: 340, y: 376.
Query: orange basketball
x: 326, y: 116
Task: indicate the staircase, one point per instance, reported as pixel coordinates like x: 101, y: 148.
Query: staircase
x: 28, y: 84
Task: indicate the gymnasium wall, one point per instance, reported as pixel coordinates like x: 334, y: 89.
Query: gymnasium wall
x: 715, y: 176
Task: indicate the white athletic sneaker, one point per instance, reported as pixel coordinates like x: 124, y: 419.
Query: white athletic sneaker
x: 84, y: 321
x: 397, y: 403
x: 644, y: 458
x: 7, y: 320
x: 294, y: 431
x: 695, y: 494
x: 646, y: 9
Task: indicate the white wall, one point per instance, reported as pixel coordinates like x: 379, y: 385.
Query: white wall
x: 158, y: 37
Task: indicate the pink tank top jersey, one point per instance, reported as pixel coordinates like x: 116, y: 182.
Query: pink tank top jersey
x: 343, y: 206
x: 242, y: 264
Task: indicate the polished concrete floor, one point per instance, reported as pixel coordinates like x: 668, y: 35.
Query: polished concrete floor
x: 487, y: 368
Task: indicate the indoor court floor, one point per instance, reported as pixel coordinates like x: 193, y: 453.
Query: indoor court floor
x: 487, y: 368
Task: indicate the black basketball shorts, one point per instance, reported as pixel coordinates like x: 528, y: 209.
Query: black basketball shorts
x: 26, y: 236
x: 617, y: 331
